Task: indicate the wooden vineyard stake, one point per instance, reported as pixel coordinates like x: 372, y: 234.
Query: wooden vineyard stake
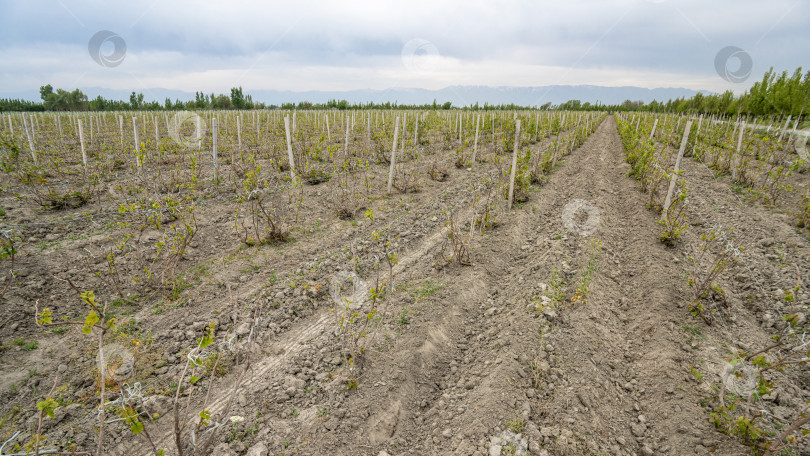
x: 459, y: 129
x: 346, y: 143
x: 198, y: 136
x: 652, y: 132
x: 677, y: 168
x: 33, y: 128
x: 30, y: 139
x: 81, y: 142
x: 393, y: 156
x: 238, y: 135
x: 475, y: 143
x: 735, y: 166
x: 121, y: 129
x: 137, y: 144
x: 239, y: 132
x: 157, y: 138
x: 328, y: 133
x: 492, y: 119
x: 214, y: 152
x: 514, y: 164
x: 289, y: 147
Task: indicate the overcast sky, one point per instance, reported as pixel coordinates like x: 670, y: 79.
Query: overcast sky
x: 318, y: 45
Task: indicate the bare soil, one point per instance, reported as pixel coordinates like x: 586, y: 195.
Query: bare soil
x: 461, y: 358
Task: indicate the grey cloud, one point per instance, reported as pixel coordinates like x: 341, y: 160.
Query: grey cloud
x: 192, y: 40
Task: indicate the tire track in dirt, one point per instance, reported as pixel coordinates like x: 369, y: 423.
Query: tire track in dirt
x: 438, y: 338
x: 262, y: 371
x: 621, y: 361
x: 774, y: 256
x: 447, y: 377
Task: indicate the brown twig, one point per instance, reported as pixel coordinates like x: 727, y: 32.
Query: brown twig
x: 796, y: 425
x: 238, y: 381
x: 764, y: 350
x: 41, y: 412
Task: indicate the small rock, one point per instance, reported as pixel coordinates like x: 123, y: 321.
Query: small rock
x: 237, y: 446
x: 158, y: 404
x: 638, y: 430
x: 259, y: 449
x: 243, y: 329
x: 583, y: 399
x: 223, y: 450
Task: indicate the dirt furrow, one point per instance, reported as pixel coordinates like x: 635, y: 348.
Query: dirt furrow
x: 619, y: 379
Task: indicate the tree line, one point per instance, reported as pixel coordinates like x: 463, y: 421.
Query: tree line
x: 776, y: 94
x: 783, y: 94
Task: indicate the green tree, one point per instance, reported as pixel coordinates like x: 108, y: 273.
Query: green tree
x: 237, y: 98
x: 221, y: 102
x: 136, y: 101
x: 45, y: 91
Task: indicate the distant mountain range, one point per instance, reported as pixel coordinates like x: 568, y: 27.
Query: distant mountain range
x: 457, y: 95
